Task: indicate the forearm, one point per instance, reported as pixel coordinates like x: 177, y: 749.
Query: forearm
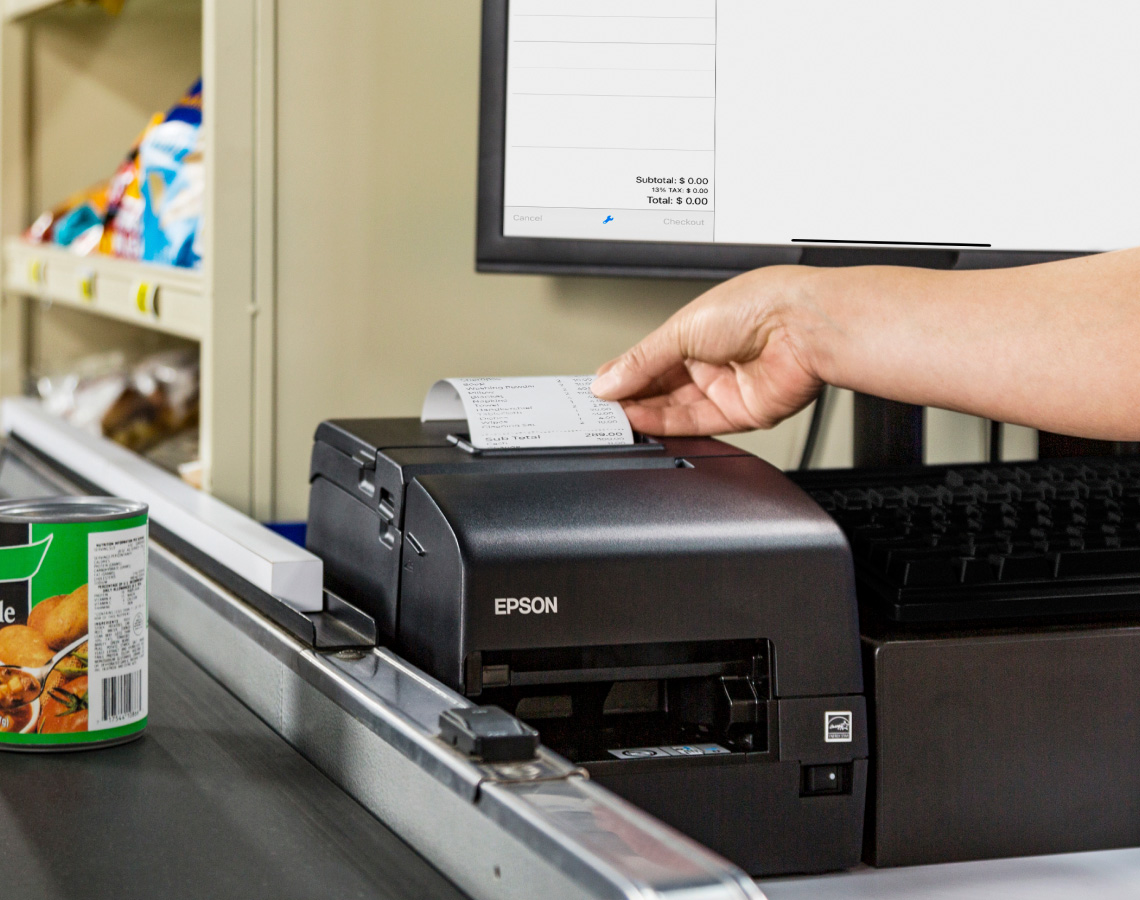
x: 1054, y: 346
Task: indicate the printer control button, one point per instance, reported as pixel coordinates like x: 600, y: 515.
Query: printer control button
x: 821, y: 780
x: 496, y: 676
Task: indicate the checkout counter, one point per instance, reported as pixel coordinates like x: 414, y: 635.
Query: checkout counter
x: 288, y: 756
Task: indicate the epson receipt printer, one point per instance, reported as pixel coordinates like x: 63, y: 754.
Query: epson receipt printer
x: 674, y: 616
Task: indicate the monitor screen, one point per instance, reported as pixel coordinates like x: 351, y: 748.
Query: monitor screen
x: 710, y: 136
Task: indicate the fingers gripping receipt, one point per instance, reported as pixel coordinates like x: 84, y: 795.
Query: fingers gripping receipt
x: 509, y: 413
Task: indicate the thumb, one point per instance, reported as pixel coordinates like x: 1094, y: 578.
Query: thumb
x: 640, y: 366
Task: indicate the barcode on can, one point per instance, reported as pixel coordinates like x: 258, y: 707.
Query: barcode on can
x: 122, y: 696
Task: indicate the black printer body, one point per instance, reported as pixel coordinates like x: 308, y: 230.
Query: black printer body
x: 675, y: 616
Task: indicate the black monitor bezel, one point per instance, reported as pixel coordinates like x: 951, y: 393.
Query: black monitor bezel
x: 497, y: 253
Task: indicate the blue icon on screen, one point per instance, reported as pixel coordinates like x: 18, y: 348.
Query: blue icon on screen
x: 608, y: 220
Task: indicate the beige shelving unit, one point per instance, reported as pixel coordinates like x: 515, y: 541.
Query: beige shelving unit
x: 161, y: 298
x: 76, y: 86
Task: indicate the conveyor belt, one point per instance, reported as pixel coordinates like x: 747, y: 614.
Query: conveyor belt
x: 209, y: 803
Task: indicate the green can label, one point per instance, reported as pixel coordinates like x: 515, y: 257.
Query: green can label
x: 73, y: 631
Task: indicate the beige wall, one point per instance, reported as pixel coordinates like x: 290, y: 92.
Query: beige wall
x: 382, y: 179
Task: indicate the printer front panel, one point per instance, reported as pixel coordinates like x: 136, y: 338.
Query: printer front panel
x: 724, y: 550
x: 692, y: 598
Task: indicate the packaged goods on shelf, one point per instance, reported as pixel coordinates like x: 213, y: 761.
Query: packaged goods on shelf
x: 151, y: 208
x: 85, y: 390
x: 140, y: 406
x: 76, y: 224
x: 123, y: 225
x: 160, y: 400
x: 173, y: 184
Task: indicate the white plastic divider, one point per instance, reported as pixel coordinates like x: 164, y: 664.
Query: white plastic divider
x: 265, y: 559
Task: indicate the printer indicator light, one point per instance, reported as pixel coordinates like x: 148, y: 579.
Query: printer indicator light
x: 837, y: 727
x: 525, y: 606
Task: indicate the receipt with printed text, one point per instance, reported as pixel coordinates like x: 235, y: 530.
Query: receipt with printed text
x: 548, y: 411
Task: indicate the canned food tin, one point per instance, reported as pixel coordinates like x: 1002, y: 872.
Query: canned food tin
x: 73, y: 623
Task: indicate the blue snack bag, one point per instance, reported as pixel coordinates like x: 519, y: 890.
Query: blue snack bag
x: 172, y: 179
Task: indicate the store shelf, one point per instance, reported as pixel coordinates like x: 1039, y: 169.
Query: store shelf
x: 161, y: 298
x: 16, y: 9
x: 68, y: 69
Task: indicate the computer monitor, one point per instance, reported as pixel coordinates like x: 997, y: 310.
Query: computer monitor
x: 706, y: 137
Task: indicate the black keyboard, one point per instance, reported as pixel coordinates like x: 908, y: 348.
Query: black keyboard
x: 983, y: 542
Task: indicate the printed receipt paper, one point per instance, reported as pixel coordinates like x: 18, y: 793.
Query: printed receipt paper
x: 505, y: 413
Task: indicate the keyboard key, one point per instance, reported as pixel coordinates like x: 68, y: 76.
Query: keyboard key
x: 1093, y: 563
x: 978, y: 571
x: 993, y: 547
x: 1072, y: 490
x: 969, y: 494
x: 889, y: 497
x: 1003, y: 492
x: 1026, y: 568
x: 931, y: 572
x: 931, y: 495
x: 895, y: 553
x: 1105, y: 488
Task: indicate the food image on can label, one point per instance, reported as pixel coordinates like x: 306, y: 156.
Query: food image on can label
x: 73, y: 626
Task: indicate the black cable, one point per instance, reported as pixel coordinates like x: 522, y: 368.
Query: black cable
x: 818, y: 414
x: 996, y: 436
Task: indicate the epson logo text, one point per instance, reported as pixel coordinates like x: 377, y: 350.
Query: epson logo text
x: 525, y: 606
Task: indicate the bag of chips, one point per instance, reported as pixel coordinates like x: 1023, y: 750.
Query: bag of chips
x: 123, y: 223
x: 172, y: 184
x: 76, y: 224
x: 151, y: 209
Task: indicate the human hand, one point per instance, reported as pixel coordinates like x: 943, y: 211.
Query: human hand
x: 734, y: 359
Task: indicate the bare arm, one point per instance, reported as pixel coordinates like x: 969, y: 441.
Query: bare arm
x: 1054, y: 346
